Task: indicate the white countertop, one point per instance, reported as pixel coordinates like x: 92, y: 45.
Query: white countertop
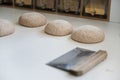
x: 24, y: 54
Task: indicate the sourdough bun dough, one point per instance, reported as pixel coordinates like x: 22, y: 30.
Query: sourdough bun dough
x: 59, y: 28
x: 32, y: 19
x: 88, y: 34
x: 6, y: 27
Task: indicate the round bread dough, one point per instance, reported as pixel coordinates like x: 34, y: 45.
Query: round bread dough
x: 32, y: 19
x: 59, y: 28
x: 6, y: 28
x: 88, y: 34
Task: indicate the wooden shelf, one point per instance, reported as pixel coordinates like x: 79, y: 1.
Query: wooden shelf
x: 23, y: 3
x: 96, y: 10
x: 6, y: 2
x: 75, y: 8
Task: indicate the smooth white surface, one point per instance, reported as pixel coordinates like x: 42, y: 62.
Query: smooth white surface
x: 115, y: 11
x: 23, y: 55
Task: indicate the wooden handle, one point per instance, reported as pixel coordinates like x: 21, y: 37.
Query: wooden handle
x: 89, y: 63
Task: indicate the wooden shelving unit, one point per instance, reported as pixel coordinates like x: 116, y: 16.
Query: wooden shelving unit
x: 91, y: 9
x: 96, y: 9
x: 6, y: 2
x: 23, y: 3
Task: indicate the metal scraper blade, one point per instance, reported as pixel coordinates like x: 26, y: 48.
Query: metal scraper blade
x: 75, y: 60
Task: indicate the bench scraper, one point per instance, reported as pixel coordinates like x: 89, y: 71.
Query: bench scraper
x: 78, y: 61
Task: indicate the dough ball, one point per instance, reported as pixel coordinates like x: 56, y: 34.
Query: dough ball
x: 6, y: 28
x: 32, y: 19
x: 88, y: 34
x: 59, y: 28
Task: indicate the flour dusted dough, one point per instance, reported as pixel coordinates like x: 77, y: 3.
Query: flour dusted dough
x: 32, y: 19
x: 6, y: 28
x: 88, y: 34
x: 59, y: 28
